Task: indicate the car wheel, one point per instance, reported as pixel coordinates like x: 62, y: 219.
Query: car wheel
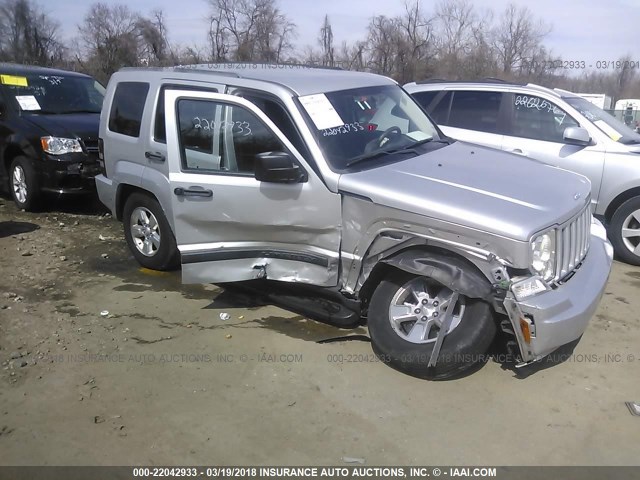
x: 624, y: 231
x: 24, y: 184
x: 148, y: 234
x: 405, y: 316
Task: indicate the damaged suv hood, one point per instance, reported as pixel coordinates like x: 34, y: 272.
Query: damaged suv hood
x: 478, y: 187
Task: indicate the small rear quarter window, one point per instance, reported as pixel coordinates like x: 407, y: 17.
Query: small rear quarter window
x: 127, y: 108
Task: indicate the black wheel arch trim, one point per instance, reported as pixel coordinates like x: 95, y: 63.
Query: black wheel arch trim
x: 450, y: 271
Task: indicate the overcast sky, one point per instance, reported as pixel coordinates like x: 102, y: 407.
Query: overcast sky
x: 587, y: 30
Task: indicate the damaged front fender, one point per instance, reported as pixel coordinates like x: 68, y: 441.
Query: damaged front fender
x: 448, y: 270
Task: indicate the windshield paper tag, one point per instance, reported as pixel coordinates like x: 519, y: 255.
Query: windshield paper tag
x: 13, y: 80
x: 28, y: 102
x: 613, y: 134
x: 321, y: 111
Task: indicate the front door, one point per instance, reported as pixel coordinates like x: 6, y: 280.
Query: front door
x: 229, y: 226
x: 536, y: 130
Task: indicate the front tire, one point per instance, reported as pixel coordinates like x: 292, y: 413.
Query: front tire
x: 23, y: 182
x: 624, y: 231
x: 403, y: 327
x: 148, y: 233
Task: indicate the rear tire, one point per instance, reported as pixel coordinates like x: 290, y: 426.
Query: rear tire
x: 624, y: 231
x: 24, y: 185
x: 148, y: 233
x: 467, y: 341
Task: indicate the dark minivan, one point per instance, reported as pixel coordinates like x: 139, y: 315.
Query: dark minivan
x: 49, y: 123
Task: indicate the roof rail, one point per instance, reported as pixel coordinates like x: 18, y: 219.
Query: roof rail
x: 432, y: 80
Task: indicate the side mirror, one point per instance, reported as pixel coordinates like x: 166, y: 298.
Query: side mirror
x: 576, y: 136
x: 278, y: 167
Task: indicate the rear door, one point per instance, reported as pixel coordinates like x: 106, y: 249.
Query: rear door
x: 230, y: 226
x: 474, y: 116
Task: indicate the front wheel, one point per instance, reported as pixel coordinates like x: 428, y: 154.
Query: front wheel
x: 624, y: 231
x: 24, y: 184
x: 405, y: 318
x: 148, y: 233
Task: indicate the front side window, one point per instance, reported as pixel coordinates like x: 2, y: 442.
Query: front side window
x: 539, y: 119
x: 217, y: 137
x: 365, y: 123
x: 127, y: 108
x: 53, y: 94
x: 611, y: 126
x: 475, y: 110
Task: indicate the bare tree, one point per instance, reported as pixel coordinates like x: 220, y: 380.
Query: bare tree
x: 400, y: 46
x: 517, y: 39
x: 152, y: 34
x: 326, y: 43
x: 252, y: 30
x: 28, y: 34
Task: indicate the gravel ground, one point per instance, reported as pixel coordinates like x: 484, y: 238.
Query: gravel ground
x: 105, y: 363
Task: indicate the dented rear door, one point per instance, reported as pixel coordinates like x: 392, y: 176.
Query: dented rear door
x: 230, y: 226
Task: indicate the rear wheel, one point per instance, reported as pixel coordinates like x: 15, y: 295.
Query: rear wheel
x: 24, y: 184
x: 148, y: 233
x: 624, y: 231
x: 406, y: 315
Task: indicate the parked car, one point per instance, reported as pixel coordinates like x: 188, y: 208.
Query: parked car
x: 339, y: 181
x: 555, y: 127
x: 48, y: 132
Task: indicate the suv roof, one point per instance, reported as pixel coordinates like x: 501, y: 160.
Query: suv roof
x: 301, y: 79
x: 15, y: 68
x: 437, y: 84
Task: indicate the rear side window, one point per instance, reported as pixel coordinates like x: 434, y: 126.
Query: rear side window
x: 127, y: 108
x: 440, y: 112
x: 425, y: 98
x: 475, y: 111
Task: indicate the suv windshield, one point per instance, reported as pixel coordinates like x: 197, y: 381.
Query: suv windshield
x: 363, y: 123
x: 55, y: 94
x: 611, y: 126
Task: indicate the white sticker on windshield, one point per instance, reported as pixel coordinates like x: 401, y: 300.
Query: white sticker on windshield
x: 608, y: 129
x: 321, y: 111
x: 28, y: 102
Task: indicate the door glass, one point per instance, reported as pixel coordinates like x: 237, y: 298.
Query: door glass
x: 539, y: 119
x: 475, y: 111
x: 217, y: 137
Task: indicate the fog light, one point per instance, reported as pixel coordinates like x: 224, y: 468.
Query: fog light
x: 528, y: 287
x: 74, y: 167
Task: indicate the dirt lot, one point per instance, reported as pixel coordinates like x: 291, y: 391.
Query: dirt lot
x: 162, y: 379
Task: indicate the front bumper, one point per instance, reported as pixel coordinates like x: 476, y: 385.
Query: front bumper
x: 561, y: 315
x: 72, y: 173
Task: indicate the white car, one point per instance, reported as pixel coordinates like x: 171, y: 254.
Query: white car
x: 555, y: 127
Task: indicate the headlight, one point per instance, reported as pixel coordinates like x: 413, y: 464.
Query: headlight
x: 60, y: 146
x: 543, y: 255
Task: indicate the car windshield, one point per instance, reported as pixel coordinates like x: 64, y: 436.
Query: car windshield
x: 610, y: 125
x: 358, y: 125
x: 54, y: 94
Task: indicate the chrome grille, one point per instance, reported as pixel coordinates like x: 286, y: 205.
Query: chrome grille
x: 573, y: 243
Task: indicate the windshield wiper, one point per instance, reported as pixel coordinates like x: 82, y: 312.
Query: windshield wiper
x: 380, y: 153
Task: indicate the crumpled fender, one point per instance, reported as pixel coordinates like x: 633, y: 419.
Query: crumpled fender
x: 452, y: 272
